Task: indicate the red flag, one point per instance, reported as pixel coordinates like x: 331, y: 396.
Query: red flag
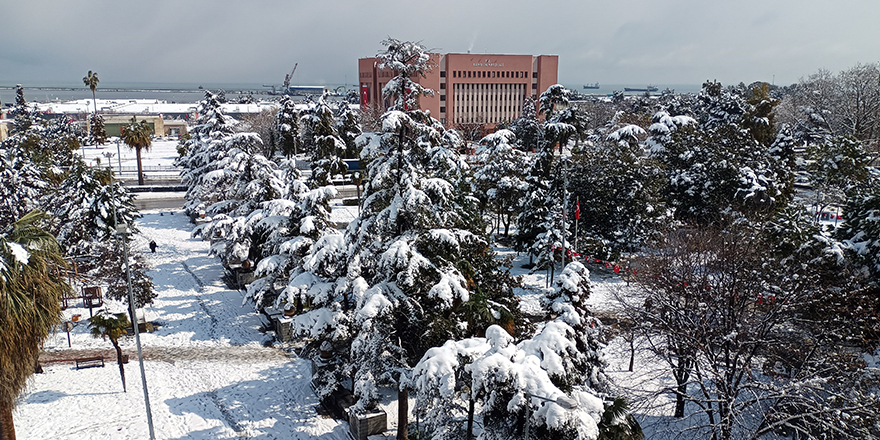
x: 577, y: 211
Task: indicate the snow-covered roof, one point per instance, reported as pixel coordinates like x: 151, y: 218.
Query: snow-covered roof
x: 145, y: 106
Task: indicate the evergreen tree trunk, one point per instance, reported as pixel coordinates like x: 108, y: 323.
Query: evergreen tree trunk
x: 7, y: 429
x: 403, y: 414
x: 140, y: 166
x: 119, y: 361
x: 470, y: 420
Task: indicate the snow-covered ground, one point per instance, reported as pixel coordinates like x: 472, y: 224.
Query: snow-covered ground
x: 161, y: 153
x: 208, y: 375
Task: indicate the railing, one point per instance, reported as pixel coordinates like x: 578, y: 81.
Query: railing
x: 152, y: 172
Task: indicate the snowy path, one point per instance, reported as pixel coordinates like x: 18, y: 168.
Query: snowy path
x: 208, y: 375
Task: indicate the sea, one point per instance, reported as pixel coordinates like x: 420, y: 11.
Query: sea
x: 169, y: 92
x: 191, y: 92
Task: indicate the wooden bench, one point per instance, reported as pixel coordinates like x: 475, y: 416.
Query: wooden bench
x: 97, y: 361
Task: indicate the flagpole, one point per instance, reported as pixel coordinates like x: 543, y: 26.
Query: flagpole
x: 577, y: 217
x: 562, y: 232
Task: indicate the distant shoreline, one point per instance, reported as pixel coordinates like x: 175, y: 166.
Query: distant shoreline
x: 189, y: 93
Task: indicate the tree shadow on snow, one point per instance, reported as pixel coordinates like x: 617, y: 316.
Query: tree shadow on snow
x: 278, y: 404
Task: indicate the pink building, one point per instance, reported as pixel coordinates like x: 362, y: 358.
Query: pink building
x: 469, y: 88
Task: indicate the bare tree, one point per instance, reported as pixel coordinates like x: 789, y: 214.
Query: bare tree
x: 846, y: 104
x: 728, y: 323
x: 262, y: 123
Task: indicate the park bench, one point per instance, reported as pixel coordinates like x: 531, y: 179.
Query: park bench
x: 97, y: 361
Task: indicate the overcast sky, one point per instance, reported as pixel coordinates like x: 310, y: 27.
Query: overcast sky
x: 622, y: 42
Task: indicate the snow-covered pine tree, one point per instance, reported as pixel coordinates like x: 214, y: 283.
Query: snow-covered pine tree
x: 240, y: 184
x: 86, y: 207
x: 327, y: 148
x: 83, y: 206
x: 618, y: 189
x: 33, y: 161
x: 108, y: 265
x: 206, y: 146
x: 417, y: 253
x: 23, y: 115
x: 527, y: 127
x: 499, y: 180
x: 552, y: 236
x: 97, y: 132
x: 784, y: 162
x: 555, y: 97
x: 496, y: 384
x: 291, y: 227
x: 59, y: 140
x: 532, y: 213
x: 836, y: 165
x: 348, y: 127
x: 536, y: 215
x: 720, y: 165
x: 23, y: 183
x: 287, y: 126
x: 565, y: 304
x: 861, y: 230
x: 502, y: 386
x: 533, y: 209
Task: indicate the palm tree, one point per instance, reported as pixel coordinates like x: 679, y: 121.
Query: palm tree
x: 31, y: 288
x: 105, y: 325
x: 137, y: 135
x: 91, y: 80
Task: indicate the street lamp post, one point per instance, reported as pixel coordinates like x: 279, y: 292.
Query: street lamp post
x: 118, y: 157
x: 564, y: 401
x: 122, y: 231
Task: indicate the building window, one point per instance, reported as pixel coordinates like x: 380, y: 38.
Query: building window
x: 443, y: 97
x: 442, y: 109
x: 534, y: 74
x: 442, y: 86
x: 469, y: 73
x: 442, y: 74
x: 534, y: 86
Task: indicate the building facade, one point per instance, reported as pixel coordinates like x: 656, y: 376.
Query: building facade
x: 469, y: 89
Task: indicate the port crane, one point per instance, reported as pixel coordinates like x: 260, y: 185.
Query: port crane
x: 286, y: 85
x: 288, y: 77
